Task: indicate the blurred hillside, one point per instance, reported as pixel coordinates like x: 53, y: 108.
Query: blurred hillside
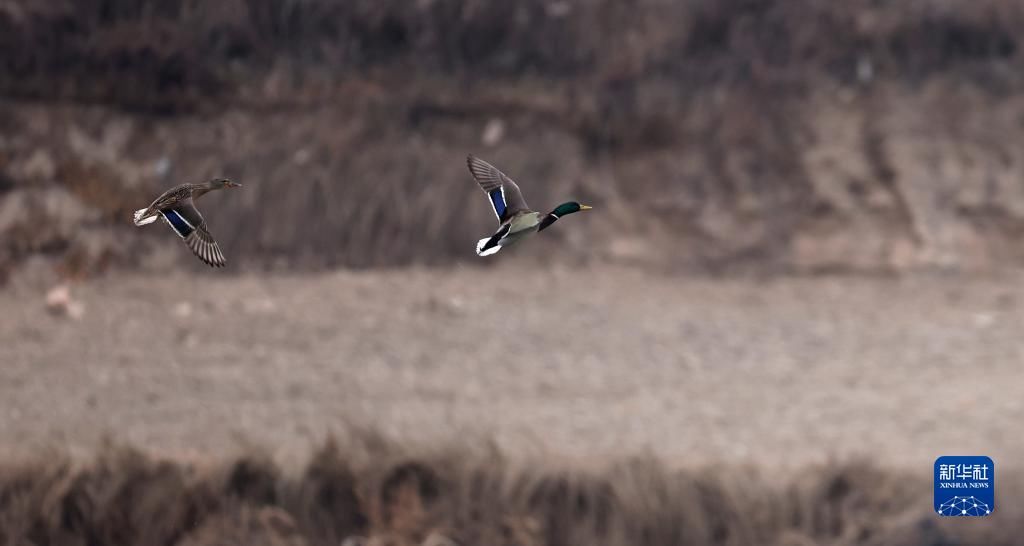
x: 796, y: 135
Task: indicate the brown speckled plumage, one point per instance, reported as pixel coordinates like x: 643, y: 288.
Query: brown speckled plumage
x: 176, y: 207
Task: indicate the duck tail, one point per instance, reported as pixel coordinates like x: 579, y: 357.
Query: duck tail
x: 483, y: 250
x: 144, y: 216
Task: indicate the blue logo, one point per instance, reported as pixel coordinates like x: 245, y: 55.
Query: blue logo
x: 964, y: 486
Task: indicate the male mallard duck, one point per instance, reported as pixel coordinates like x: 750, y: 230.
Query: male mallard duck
x: 515, y: 219
x: 176, y: 207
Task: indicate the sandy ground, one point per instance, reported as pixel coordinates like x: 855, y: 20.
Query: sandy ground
x: 589, y: 364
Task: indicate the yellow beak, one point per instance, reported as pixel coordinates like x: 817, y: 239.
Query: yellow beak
x: 585, y: 207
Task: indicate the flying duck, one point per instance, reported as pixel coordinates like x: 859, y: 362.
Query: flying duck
x: 515, y: 219
x: 176, y: 206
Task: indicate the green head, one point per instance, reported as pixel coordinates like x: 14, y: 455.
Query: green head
x: 560, y: 211
x: 569, y: 208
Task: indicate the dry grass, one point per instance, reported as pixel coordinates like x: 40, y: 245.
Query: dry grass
x: 376, y: 494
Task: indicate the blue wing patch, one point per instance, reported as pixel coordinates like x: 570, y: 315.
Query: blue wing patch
x: 179, y: 223
x: 498, y: 201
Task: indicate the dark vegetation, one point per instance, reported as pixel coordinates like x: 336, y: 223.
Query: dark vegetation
x: 173, y: 55
x: 779, y: 135
x: 375, y: 494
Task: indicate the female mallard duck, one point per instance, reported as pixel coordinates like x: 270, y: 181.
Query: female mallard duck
x: 176, y: 207
x: 515, y: 219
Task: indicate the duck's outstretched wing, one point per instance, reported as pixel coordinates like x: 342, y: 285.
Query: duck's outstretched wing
x: 205, y: 247
x: 504, y: 194
x: 185, y: 220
